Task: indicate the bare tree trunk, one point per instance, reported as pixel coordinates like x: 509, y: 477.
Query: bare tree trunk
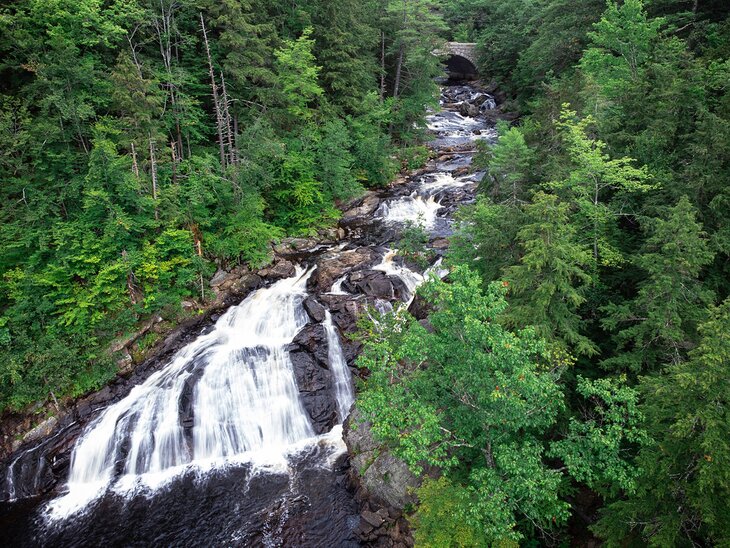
x: 173, y: 148
x: 153, y: 174
x: 382, y: 66
x: 232, y: 153
x: 399, y: 68
x: 135, y: 166
x: 401, y: 53
x: 218, y: 117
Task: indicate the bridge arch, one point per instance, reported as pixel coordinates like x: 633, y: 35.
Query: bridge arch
x: 461, y: 59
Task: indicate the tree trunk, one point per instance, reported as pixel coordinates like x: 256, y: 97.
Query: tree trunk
x: 218, y: 117
x: 382, y: 66
x: 153, y: 174
x: 135, y: 166
x: 227, y: 116
x: 398, y: 70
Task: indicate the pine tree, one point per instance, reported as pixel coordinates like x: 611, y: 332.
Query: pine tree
x: 548, y: 285
x: 659, y: 325
x: 683, y: 496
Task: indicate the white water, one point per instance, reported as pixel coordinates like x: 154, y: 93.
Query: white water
x: 229, y: 394
x: 413, y: 208
x: 411, y: 279
x: 337, y: 286
x: 338, y: 366
x: 443, y: 180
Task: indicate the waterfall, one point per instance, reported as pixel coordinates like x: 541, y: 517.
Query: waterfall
x: 341, y: 373
x: 411, y: 279
x: 410, y: 208
x: 229, y: 393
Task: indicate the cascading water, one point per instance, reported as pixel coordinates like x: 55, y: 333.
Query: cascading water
x: 230, y: 393
x: 344, y: 394
x: 415, y: 208
x: 220, y: 446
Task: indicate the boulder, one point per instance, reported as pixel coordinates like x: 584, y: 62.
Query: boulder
x: 219, y: 277
x: 365, y: 207
x: 314, y: 309
x: 279, y: 270
x: 378, y: 285
x: 315, y: 390
x: 313, y: 340
x: 467, y: 109
x: 331, y: 267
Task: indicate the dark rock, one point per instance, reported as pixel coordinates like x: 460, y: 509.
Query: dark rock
x: 378, y: 285
x: 314, y: 309
x: 372, y: 518
x: 313, y: 339
x: 331, y: 266
x: 420, y: 308
x: 279, y: 270
x: 467, y: 109
x: 315, y: 390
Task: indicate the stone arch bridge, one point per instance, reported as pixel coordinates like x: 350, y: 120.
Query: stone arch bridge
x: 461, y: 59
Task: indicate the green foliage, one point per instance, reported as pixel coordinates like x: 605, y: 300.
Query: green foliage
x: 599, y: 445
x: 548, y: 285
x: 413, y: 243
x: 477, y: 401
x: 297, y: 74
x: 658, y: 326
x: 114, y: 202
x: 683, y: 492
x: 594, y: 180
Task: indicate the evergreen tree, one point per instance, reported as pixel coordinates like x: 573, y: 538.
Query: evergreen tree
x: 658, y: 326
x: 684, y: 490
x: 548, y: 285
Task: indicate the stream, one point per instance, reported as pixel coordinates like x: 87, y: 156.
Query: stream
x: 237, y: 439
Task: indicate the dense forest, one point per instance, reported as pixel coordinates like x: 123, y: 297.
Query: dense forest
x: 579, y: 353
x: 144, y: 144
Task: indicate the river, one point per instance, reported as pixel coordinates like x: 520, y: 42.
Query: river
x: 237, y: 440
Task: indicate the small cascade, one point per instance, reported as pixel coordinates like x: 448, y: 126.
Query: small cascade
x: 337, y: 286
x: 342, y: 379
x: 229, y: 393
x: 444, y: 181
x: 411, y: 279
x: 414, y: 208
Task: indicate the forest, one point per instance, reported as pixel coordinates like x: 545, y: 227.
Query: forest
x: 577, y: 355
x: 145, y: 144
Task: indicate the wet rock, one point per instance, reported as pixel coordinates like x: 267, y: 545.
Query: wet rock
x: 279, y: 270
x: 331, y: 267
x: 366, y: 206
x: 378, y: 285
x: 315, y: 391
x: 312, y: 339
x: 314, y: 309
x: 467, y: 109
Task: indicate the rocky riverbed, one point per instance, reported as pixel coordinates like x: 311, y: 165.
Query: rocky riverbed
x: 313, y: 497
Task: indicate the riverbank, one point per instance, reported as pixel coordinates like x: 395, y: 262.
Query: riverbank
x: 352, y: 268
